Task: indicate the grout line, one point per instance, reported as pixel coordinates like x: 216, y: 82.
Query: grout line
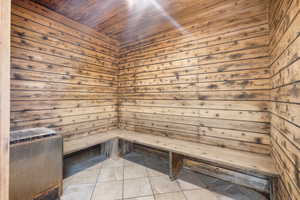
x: 181, y: 190
x: 184, y: 195
x: 148, y: 176
x: 137, y: 197
x: 123, y: 180
x: 98, y: 175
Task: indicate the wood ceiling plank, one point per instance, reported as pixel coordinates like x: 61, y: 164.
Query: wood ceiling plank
x: 144, y: 18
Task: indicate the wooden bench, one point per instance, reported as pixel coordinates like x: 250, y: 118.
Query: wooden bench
x: 81, y: 143
x: 249, y: 163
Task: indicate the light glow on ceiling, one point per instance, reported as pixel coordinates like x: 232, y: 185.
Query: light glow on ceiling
x: 130, y: 4
x: 167, y: 16
x: 143, y: 5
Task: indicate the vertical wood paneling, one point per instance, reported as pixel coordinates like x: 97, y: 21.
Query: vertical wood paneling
x: 64, y: 74
x: 210, y: 85
x: 5, y: 7
x: 285, y: 101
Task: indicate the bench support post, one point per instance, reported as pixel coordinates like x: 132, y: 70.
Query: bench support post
x: 116, y: 148
x: 111, y: 149
x: 273, y: 188
x: 175, y: 165
x: 125, y: 147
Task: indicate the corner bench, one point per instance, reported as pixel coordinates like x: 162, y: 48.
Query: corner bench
x: 240, y: 161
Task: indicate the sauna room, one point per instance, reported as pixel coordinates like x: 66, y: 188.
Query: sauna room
x: 150, y: 100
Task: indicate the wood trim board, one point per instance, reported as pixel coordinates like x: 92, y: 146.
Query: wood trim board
x: 5, y: 7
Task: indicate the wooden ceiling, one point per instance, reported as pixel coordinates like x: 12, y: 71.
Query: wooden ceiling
x: 131, y: 20
x: 127, y: 20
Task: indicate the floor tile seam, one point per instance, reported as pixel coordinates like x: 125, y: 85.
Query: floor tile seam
x: 180, y: 188
x: 148, y: 173
x: 148, y: 177
x: 151, y: 186
x: 120, y: 180
x: 106, y: 167
x: 135, y: 178
x: 135, y: 165
x: 94, y: 188
x: 184, y: 194
x: 157, y: 176
x: 188, y: 190
x: 145, y: 175
x: 169, y: 192
x: 123, y: 180
x: 79, y: 184
x: 138, y: 197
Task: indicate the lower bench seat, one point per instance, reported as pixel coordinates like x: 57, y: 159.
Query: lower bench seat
x: 81, y: 143
x: 241, y: 161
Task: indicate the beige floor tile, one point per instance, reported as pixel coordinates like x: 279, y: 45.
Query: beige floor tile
x: 134, y: 171
x: 163, y: 184
x: 110, y: 174
x: 66, y: 182
x: 153, y: 172
x: 222, y: 197
x: 80, y: 186
x: 111, y: 190
x: 137, y: 188
x: 170, y: 196
x: 142, y: 198
x: 96, y: 166
x: 85, y: 177
x: 186, y: 185
x: 78, y: 192
x: 113, y: 163
x: 202, y: 194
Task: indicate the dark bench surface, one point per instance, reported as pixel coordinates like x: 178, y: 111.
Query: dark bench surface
x: 239, y: 160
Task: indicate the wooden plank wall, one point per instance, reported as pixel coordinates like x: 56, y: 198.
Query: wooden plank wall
x: 5, y: 7
x: 285, y: 95
x: 64, y: 74
x: 208, y: 82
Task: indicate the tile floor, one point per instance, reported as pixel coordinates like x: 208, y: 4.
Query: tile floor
x: 144, y: 177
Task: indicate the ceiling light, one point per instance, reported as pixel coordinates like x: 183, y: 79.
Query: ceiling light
x: 130, y: 3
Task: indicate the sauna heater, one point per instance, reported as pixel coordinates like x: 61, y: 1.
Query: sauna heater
x: 36, y: 164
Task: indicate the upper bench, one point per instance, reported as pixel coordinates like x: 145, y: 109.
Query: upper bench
x: 233, y: 159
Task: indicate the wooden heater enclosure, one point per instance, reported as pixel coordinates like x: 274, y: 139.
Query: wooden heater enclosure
x: 221, y: 73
